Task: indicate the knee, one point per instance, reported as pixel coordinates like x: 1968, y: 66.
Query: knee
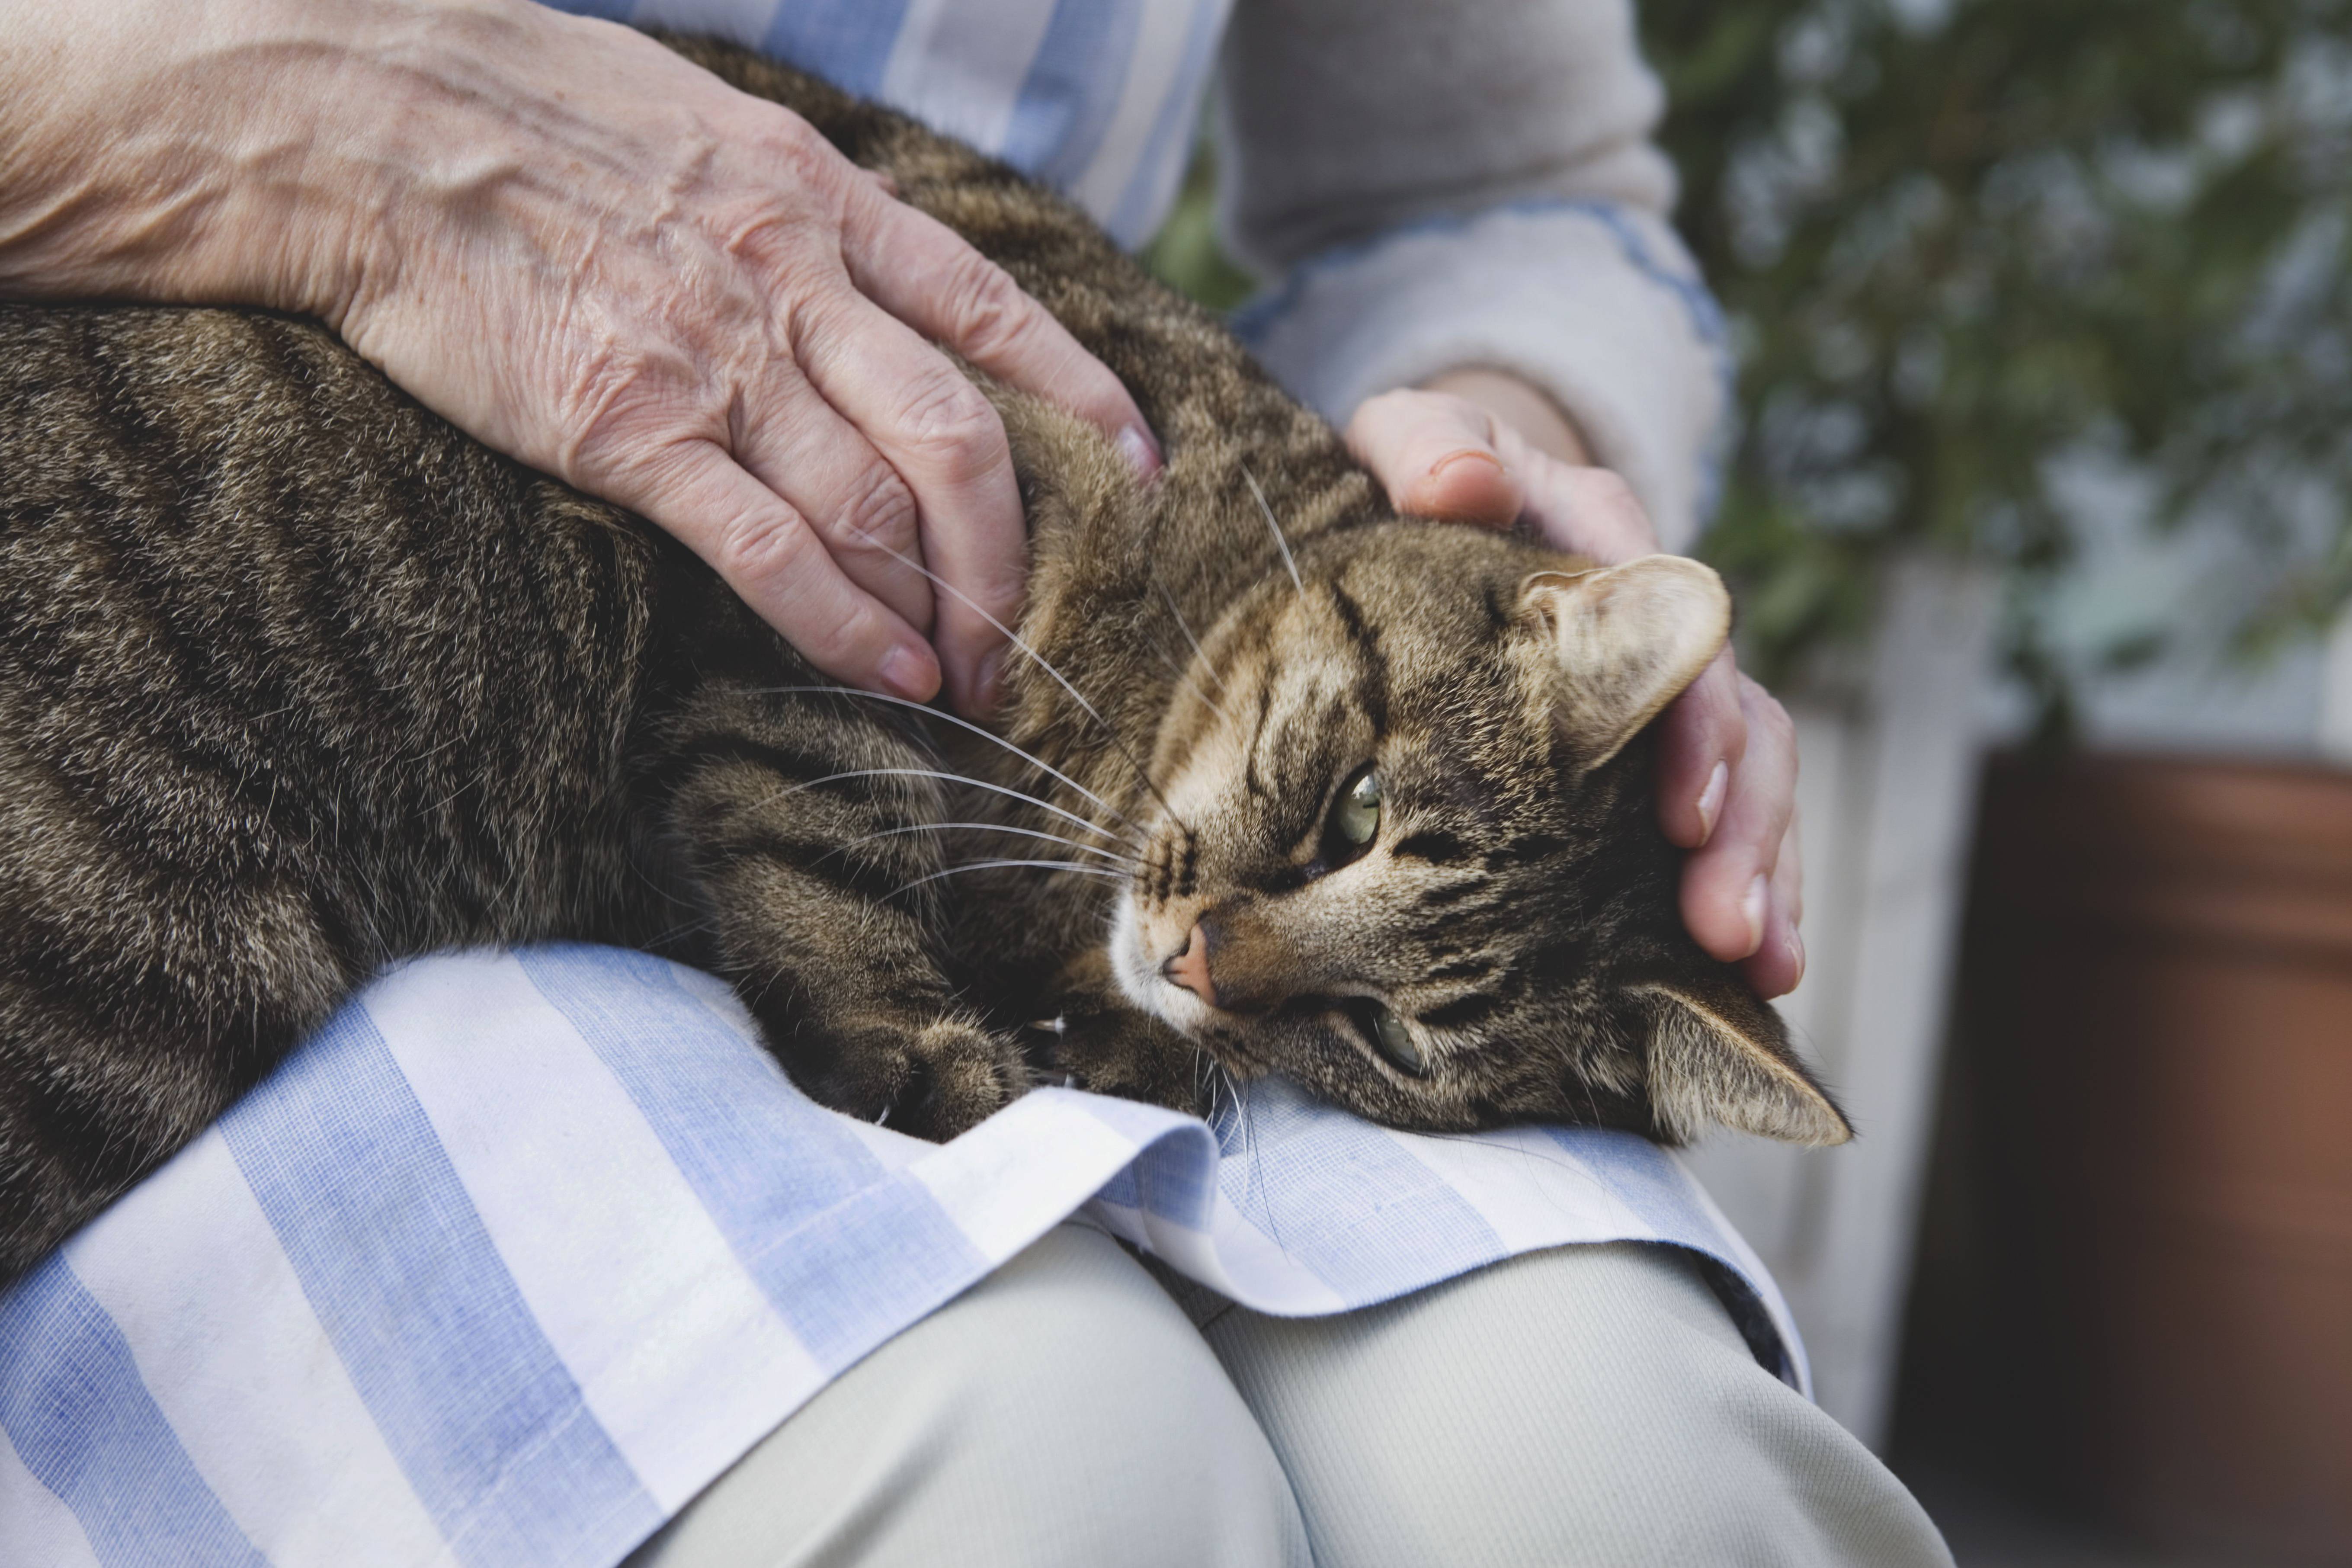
x: 1588, y: 1405
x: 1063, y: 1411
x: 1080, y: 1397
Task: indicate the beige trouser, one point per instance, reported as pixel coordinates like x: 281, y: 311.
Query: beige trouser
x: 1589, y: 1405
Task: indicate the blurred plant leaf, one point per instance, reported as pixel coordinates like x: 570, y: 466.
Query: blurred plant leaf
x: 1186, y: 254
x: 1963, y: 243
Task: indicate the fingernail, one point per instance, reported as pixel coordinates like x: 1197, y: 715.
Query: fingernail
x: 1141, y: 452
x: 988, y: 690
x: 1796, y: 947
x: 909, y: 674
x: 1710, y: 800
x: 1467, y: 454
x: 1751, y: 910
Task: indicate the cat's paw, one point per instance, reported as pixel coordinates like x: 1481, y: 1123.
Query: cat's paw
x: 930, y: 1079
x: 1112, y: 1048
x: 959, y: 1075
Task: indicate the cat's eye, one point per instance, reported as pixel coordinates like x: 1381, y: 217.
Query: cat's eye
x: 1393, y: 1039
x: 1356, y: 814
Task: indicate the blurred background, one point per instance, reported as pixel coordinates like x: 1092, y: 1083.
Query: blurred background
x: 2036, y: 508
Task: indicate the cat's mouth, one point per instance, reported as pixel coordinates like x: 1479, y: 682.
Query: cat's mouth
x: 1144, y: 977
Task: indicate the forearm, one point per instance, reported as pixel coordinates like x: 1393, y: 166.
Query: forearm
x: 168, y: 152
x: 1472, y: 188
x: 586, y: 251
x: 1343, y: 120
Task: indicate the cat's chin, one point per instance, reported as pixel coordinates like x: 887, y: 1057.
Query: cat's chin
x: 1137, y: 976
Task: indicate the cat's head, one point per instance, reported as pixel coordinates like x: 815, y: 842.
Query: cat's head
x: 1408, y: 853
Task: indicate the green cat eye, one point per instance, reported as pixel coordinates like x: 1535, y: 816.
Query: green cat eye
x: 1357, y: 813
x: 1396, y: 1042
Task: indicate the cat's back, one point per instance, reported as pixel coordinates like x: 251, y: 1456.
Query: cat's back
x: 253, y: 597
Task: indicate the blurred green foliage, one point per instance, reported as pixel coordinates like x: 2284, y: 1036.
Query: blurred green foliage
x: 1966, y: 244
x: 1185, y: 254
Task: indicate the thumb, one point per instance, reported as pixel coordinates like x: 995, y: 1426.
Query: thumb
x: 1437, y: 456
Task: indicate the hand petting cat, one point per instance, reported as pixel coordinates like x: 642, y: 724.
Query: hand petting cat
x: 588, y: 254
x: 596, y: 257
x: 1484, y: 447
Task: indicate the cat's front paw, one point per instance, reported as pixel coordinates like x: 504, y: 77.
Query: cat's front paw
x: 1111, y: 1049
x: 959, y: 1075
x: 931, y: 1079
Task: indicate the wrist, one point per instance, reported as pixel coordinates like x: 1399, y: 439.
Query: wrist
x: 220, y: 154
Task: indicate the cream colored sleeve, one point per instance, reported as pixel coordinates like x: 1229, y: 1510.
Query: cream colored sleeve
x: 1434, y: 186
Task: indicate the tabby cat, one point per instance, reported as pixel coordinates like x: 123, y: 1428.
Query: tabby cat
x: 296, y: 680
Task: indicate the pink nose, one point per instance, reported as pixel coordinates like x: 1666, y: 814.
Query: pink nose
x: 1190, y: 968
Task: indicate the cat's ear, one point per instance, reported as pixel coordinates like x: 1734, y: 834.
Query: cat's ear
x: 1718, y: 1055
x: 1628, y: 639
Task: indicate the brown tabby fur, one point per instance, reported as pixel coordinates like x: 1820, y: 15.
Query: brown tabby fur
x: 297, y: 680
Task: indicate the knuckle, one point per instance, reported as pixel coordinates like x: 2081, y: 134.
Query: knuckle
x: 950, y: 423
x: 881, y: 509
x: 987, y: 311
x: 759, y: 548
x: 1003, y: 584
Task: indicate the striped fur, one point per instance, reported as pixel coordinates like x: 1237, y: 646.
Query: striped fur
x: 297, y: 680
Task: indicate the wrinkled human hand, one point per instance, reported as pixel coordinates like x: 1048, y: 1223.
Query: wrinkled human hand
x: 1727, y: 751
x: 586, y: 253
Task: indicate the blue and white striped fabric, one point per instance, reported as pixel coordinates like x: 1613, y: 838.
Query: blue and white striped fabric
x: 524, y: 1249
x: 1095, y: 98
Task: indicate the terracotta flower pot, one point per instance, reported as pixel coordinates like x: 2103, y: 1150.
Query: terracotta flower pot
x: 2158, y: 1021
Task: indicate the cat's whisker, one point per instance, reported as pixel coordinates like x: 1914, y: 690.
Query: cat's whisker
x: 1039, y: 660
x: 1279, y: 542
x: 1207, y: 667
x: 1071, y: 844
x: 1036, y: 659
x: 1190, y: 685
x: 1070, y: 817
x: 1070, y: 865
x: 928, y: 711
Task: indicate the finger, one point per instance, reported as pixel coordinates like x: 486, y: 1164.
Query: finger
x: 1701, y: 740
x: 923, y: 273
x: 1591, y: 512
x: 767, y: 553
x: 1727, y: 895
x: 1436, y: 455
x: 1776, y: 967
x: 799, y: 445
x: 933, y: 427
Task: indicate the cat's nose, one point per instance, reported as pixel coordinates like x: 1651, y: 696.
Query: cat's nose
x: 1190, y: 968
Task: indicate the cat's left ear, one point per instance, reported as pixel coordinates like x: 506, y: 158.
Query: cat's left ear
x: 1628, y: 639
x: 1718, y: 1055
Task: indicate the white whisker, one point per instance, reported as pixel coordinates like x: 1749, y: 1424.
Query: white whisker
x: 1071, y: 844
x: 1039, y: 660
x: 1170, y: 600
x: 1279, y: 543
x: 1190, y: 684
x: 1069, y: 816
x: 930, y: 712
x: 1070, y: 865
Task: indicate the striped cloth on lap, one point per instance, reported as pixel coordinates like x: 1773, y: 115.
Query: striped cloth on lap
x: 524, y: 1249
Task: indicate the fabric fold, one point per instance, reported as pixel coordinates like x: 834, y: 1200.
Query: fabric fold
x: 525, y: 1248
